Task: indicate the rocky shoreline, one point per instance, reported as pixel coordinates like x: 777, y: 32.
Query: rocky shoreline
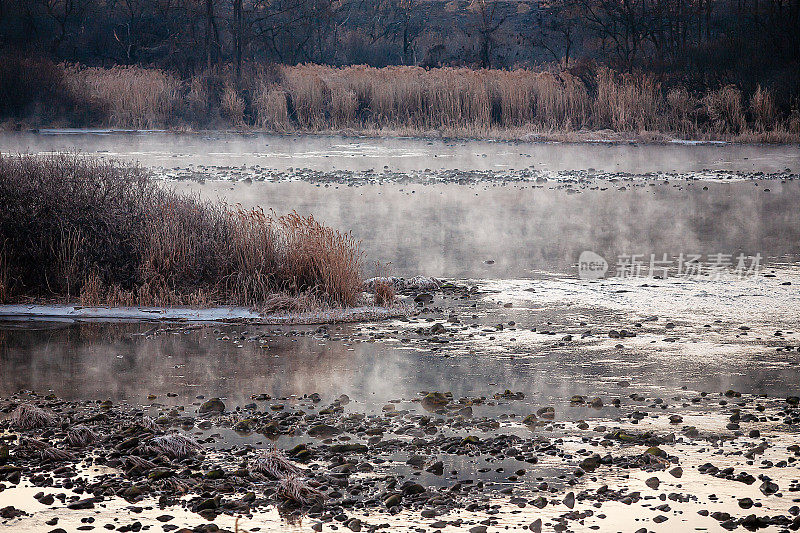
x: 321, y: 459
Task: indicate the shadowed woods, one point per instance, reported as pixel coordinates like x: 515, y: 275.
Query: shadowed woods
x: 401, y: 99
x: 79, y: 229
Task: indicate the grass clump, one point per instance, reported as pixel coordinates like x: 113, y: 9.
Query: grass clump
x: 100, y: 232
x: 27, y: 416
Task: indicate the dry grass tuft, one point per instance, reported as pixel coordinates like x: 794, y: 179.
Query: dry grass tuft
x: 27, y: 416
x: 297, y: 489
x: 384, y: 293
x: 80, y: 436
x: 54, y: 454
x: 274, y: 463
x: 320, y: 260
x: 382, y: 286
x: 134, y: 461
x: 174, y: 446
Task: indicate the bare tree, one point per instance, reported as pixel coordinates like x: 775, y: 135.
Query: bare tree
x: 487, y: 21
x: 63, y: 13
x: 556, y: 29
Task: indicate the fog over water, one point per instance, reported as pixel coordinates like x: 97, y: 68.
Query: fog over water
x: 451, y: 230
x: 330, y: 152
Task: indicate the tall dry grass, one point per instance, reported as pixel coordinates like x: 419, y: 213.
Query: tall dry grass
x: 423, y: 99
x: 475, y: 102
x: 628, y: 102
x: 455, y: 101
x: 103, y: 232
x: 762, y: 106
x: 5, y: 281
x: 725, y: 110
x: 135, y: 97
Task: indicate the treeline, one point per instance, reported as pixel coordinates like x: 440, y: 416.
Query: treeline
x: 695, y: 43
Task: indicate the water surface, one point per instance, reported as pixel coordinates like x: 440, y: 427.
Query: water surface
x: 323, y: 152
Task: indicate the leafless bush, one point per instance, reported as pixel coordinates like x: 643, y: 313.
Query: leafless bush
x: 104, y: 232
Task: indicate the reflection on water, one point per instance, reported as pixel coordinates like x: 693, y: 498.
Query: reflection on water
x: 280, y: 152
x: 124, y: 362
x: 451, y: 230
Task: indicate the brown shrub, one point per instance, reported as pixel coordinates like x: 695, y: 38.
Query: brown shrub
x: 103, y: 231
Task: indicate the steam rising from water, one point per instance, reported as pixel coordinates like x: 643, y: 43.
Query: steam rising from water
x: 450, y: 230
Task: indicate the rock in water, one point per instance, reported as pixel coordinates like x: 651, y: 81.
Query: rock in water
x: 214, y: 405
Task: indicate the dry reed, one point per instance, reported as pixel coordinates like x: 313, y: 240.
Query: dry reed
x: 725, y: 110
x: 135, y: 97
x: 454, y: 101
